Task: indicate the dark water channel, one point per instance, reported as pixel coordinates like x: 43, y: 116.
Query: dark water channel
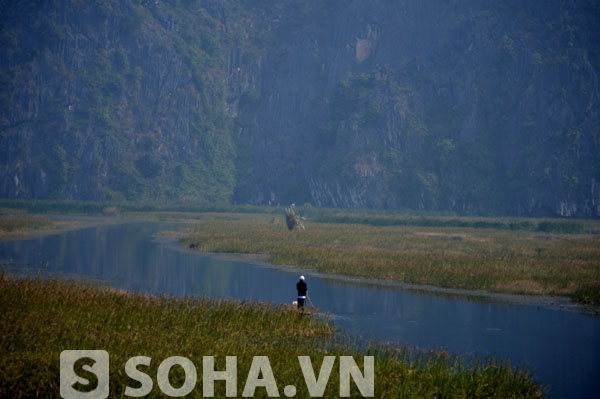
x: 562, y: 348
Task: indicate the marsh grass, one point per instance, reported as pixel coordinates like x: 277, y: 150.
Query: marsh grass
x: 98, y: 208
x: 499, y: 260
x: 546, y: 226
x: 15, y: 223
x: 41, y: 318
x: 588, y: 293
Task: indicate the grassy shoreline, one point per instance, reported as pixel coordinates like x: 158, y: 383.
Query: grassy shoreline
x: 21, y: 224
x: 370, y: 217
x: 40, y: 318
x: 24, y: 227
x: 494, y: 260
x: 445, y: 252
x: 557, y: 226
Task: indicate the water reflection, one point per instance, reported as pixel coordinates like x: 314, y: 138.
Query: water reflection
x: 562, y: 348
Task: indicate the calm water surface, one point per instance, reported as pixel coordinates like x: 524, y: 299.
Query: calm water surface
x: 562, y: 348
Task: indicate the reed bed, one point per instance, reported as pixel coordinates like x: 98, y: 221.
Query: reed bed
x: 528, y: 224
x: 12, y: 224
x: 497, y: 260
x: 41, y: 318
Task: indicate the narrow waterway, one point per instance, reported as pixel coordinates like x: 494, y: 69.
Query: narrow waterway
x: 561, y: 348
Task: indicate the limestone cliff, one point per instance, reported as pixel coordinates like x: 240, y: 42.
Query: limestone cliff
x: 476, y: 107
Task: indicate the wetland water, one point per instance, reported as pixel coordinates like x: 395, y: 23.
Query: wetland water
x: 561, y: 348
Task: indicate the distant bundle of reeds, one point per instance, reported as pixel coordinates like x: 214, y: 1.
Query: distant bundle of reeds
x: 293, y: 219
x: 110, y: 211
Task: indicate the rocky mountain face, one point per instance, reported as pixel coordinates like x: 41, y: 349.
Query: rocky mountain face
x: 114, y: 100
x: 471, y: 106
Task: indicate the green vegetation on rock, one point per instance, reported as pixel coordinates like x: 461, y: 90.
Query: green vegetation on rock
x: 483, y: 109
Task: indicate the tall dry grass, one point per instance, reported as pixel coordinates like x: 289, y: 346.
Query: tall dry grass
x: 521, y: 261
x: 41, y: 318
